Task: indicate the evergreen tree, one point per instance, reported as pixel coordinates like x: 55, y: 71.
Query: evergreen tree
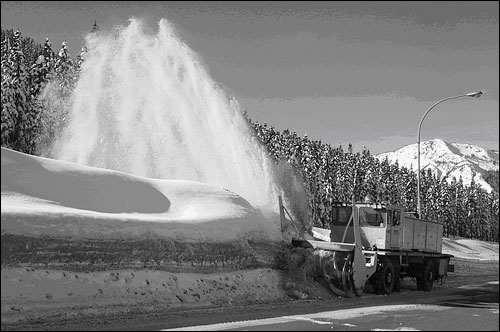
x: 31, y: 114
x: 95, y: 28
x: 9, y: 112
x: 471, y: 208
x: 42, y: 73
x: 443, y: 205
x: 492, y: 222
x: 43, y: 69
x: 492, y: 179
x: 64, y: 71
x: 28, y: 46
x: 78, y: 63
x: 15, y: 98
x: 460, y: 208
x: 22, y: 82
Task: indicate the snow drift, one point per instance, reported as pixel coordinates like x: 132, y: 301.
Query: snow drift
x: 42, y: 196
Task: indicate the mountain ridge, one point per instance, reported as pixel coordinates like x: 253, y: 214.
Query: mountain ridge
x: 448, y: 160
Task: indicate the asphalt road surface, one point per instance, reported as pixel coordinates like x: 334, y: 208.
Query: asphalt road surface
x: 472, y: 308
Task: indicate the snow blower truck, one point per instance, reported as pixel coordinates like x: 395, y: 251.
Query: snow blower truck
x: 380, y: 245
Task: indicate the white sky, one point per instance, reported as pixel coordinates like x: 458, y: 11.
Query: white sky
x: 360, y: 72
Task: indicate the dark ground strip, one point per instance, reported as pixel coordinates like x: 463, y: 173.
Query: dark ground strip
x: 154, y: 253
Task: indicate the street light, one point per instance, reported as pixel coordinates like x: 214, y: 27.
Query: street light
x: 472, y: 94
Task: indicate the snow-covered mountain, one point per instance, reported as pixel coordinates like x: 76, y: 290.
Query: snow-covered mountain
x: 448, y: 160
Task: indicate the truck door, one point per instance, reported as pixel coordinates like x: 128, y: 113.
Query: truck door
x: 394, y: 227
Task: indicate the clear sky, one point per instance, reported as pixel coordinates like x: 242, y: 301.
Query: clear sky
x: 355, y: 71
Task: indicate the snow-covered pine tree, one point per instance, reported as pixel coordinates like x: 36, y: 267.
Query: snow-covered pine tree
x: 7, y: 116
x: 443, y: 205
x: 64, y: 71
x: 95, y: 28
x: 483, y: 214
x: 20, y: 89
x: 81, y: 57
x: 49, y: 59
x: 392, y: 183
x: 401, y: 185
x: 41, y: 74
x: 493, y: 227
x: 79, y: 61
x: 410, y: 189
x: 453, y: 223
x: 31, y: 50
x: 433, y: 196
x: 15, y: 96
x: 460, y: 207
x: 42, y: 70
x: 471, y: 203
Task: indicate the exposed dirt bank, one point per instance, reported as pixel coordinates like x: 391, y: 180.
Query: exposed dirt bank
x: 48, y: 283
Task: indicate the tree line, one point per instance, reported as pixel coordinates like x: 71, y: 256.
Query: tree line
x: 33, y: 116
x: 332, y: 174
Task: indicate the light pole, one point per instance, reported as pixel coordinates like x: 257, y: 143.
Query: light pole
x: 472, y: 94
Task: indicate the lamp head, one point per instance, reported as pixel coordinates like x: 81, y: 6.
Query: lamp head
x: 474, y: 94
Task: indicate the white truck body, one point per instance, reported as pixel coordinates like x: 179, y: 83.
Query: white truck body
x: 381, y: 245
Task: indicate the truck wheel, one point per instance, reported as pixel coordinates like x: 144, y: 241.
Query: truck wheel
x: 397, y: 278
x: 428, y: 276
x: 374, y: 283
x: 420, y: 283
x: 386, y: 279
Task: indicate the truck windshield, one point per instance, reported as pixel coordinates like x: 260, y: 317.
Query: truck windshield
x: 372, y: 217
x: 341, y: 215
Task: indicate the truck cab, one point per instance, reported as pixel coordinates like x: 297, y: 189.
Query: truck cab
x: 380, y: 226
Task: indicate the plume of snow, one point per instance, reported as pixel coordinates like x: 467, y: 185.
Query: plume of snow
x: 145, y: 105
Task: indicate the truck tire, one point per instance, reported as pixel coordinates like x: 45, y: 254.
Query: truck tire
x: 397, y: 278
x: 420, y: 282
x: 425, y: 282
x: 428, y: 276
x: 386, y: 279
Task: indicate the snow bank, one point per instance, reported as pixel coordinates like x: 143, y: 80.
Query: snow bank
x: 471, y: 249
x: 42, y: 196
x: 460, y: 248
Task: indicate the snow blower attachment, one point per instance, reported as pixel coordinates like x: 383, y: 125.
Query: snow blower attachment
x: 379, y: 244
x: 346, y: 266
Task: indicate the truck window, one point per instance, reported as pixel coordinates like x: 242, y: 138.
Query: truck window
x: 396, y: 218
x: 341, y: 215
x: 372, y: 217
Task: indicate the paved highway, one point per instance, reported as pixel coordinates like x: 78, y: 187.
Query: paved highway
x: 468, y: 301
x: 470, y: 308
